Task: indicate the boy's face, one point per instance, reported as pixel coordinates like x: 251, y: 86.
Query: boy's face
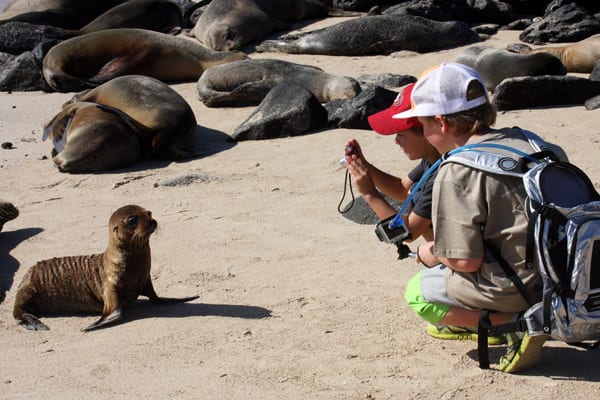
x: 432, y: 130
x: 413, y: 143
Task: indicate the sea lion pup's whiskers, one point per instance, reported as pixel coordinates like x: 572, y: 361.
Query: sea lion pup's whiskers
x: 104, y: 283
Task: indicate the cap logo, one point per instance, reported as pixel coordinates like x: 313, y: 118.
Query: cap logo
x: 399, y: 99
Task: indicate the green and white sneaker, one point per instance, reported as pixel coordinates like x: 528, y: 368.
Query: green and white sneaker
x: 450, y: 332
x: 523, y: 352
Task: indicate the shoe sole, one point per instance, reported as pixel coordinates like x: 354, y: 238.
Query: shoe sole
x: 527, y: 356
x: 492, y: 340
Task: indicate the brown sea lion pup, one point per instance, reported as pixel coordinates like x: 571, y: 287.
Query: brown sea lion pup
x: 89, y: 60
x: 105, y: 283
x: 580, y: 56
x: 90, y: 137
x: 169, y: 122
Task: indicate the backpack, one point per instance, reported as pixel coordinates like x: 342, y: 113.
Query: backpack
x: 563, y: 243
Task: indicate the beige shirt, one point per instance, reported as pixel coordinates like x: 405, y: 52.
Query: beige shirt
x: 473, y: 210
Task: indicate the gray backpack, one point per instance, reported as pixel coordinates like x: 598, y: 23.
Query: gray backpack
x: 563, y: 244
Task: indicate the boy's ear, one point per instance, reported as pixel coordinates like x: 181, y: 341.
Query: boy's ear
x: 443, y: 123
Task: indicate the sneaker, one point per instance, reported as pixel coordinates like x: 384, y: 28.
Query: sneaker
x: 450, y: 332
x: 523, y: 351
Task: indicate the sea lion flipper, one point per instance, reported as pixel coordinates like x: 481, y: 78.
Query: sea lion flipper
x: 31, y: 322
x: 171, y: 300
x: 104, y: 321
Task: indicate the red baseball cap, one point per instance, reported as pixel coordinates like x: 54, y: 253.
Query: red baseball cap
x: 383, y: 123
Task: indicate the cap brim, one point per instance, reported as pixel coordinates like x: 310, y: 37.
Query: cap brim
x: 384, y: 123
x: 405, y: 114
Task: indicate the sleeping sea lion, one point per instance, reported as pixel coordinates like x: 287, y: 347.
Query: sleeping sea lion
x: 247, y: 82
x: 91, y: 59
x: 495, y: 65
x: 102, y: 283
x: 90, y: 137
x: 168, y: 120
x: 580, y: 56
x: 231, y: 24
x: 376, y: 34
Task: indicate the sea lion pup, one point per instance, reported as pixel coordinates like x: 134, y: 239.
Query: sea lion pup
x: 495, y: 65
x: 91, y: 59
x: 90, y: 137
x: 8, y: 212
x: 106, y: 282
x: 232, y: 24
x: 580, y: 56
x: 247, y: 82
x: 376, y: 34
x: 168, y: 120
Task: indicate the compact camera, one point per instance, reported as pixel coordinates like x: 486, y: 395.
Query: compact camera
x: 391, y: 235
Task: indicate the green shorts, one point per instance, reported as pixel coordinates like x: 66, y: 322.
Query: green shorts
x: 426, y: 294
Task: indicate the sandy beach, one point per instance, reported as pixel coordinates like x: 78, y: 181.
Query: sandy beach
x: 296, y: 301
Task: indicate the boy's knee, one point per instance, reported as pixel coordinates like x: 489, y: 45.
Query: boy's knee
x: 430, y: 312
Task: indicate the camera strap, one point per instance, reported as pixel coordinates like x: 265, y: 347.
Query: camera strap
x: 347, y: 184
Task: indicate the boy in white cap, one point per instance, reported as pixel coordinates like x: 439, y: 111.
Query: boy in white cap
x: 473, y: 213
x: 371, y: 182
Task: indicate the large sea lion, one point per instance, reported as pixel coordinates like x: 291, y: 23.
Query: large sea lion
x: 106, y: 282
x: 377, y: 34
x: 67, y: 14
x: 91, y: 59
x: 232, y: 24
x: 90, y: 137
x: 495, y: 65
x: 168, y: 122
x: 580, y: 56
x: 247, y: 82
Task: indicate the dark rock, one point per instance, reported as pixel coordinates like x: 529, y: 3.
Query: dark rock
x: 287, y: 110
x: 469, y: 11
x: 386, y: 80
x: 562, y: 23
x: 592, y: 103
x: 353, y: 113
x: 595, y: 74
x: 543, y: 91
x: 18, y: 37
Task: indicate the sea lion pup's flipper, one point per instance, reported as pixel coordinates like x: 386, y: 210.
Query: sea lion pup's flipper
x: 149, y: 292
x: 31, y: 322
x: 105, y: 320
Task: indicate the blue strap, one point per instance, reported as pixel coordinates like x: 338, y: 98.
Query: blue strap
x: 398, y: 220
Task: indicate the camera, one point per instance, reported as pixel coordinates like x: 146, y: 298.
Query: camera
x: 391, y: 235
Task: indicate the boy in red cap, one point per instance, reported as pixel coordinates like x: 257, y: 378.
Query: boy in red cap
x: 371, y: 182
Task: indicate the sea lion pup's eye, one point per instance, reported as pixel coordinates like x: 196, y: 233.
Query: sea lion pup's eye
x: 132, y: 221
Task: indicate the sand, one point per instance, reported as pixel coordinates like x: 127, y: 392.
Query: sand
x: 296, y: 301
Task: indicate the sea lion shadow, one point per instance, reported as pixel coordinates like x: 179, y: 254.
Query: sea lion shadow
x: 571, y: 363
x: 9, y: 265
x: 145, y: 309
x: 209, y: 141
x: 205, y: 143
